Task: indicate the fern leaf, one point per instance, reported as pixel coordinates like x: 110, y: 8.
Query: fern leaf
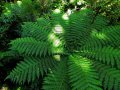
x: 107, y: 36
x: 112, y: 33
x: 31, y: 68
x: 36, y: 30
x: 78, y: 30
x: 108, y: 75
x: 30, y: 46
x: 82, y: 75
x: 107, y: 55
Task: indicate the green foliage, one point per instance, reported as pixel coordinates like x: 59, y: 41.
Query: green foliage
x: 12, y: 15
x: 108, y: 75
x: 82, y: 74
x: 76, y: 32
x: 76, y: 52
x: 59, y: 51
x: 20, y: 9
x: 29, y: 46
x: 57, y: 79
x: 109, y: 8
x: 31, y: 68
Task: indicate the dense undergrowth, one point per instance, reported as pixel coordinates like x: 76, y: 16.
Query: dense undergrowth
x: 60, y: 44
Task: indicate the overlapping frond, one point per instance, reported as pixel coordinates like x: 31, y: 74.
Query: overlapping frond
x: 113, y: 35
x: 57, y: 79
x: 82, y: 74
x: 108, y: 75
x: 107, y: 55
x: 31, y: 47
x: 107, y: 36
x: 38, y: 30
x: 78, y: 30
x: 95, y: 44
x: 100, y: 22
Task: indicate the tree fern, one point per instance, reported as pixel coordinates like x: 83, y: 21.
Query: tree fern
x: 80, y: 52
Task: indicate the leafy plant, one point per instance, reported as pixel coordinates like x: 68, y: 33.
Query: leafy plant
x: 109, y: 8
x: 78, y: 52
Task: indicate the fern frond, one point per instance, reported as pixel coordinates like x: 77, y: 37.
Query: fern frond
x: 8, y: 54
x: 107, y: 36
x: 57, y: 79
x: 107, y: 55
x: 31, y: 47
x: 38, y: 30
x: 31, y: 68
x: 78, y: 30
x: 108, y: 75
x: 96, y: 39
x: 82, y: 74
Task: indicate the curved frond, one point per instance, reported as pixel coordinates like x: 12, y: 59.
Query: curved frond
x: 31, y: 68
x: 107, y: 36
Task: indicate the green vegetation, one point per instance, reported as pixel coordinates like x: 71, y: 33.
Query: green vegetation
x: 60, y: 45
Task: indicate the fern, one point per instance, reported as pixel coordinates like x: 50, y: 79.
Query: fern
x: 77, y: 53
x: 112, y: 34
